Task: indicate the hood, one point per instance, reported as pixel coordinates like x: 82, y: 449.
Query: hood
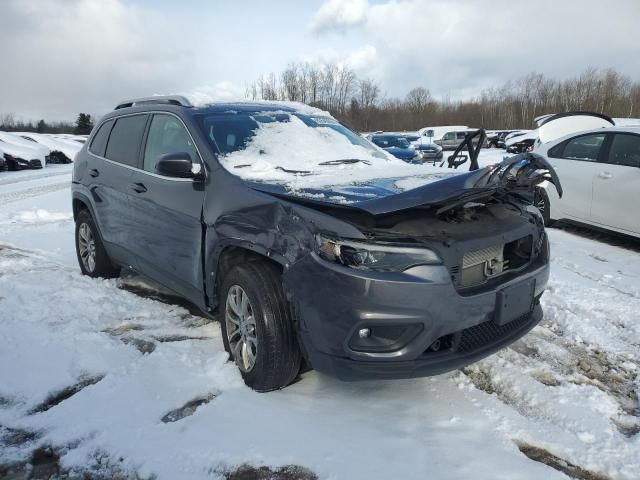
x: 553, y: 127
x: 517, y: 174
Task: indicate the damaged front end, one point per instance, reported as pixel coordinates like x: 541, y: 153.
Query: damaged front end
x: 397, y: 284
x: 427, y: 288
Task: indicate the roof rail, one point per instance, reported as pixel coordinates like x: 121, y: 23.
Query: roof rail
x: 156, y: 99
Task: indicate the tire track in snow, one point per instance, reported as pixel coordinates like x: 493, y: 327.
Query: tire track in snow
x: 13, y: 181
x: 32, y: 192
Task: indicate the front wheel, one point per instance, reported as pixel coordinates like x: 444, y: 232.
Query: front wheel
x: 92, y: 256
x: 257, y: 328
x: 541, y: 202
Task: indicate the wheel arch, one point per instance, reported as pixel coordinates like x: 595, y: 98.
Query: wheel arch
x: 230, y: 256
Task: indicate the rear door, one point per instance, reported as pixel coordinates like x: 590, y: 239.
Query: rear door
x: 168, y: 212
x: 115, y: 150
x: 616, y: 185
x: 576, y: 163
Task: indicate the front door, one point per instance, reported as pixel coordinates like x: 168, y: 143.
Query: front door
x: 168, y: 212
x: 616, y: 185
x: 576, y: 163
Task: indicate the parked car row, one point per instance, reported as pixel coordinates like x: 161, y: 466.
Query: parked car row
x: 400, y: 146
x: 29, y: 150
x: 596, y: 157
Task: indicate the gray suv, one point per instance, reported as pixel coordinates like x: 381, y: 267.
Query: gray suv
x: 359, y: 278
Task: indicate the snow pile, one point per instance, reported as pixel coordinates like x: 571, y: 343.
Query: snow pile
x: 132, y: 364
x: 41, y: 216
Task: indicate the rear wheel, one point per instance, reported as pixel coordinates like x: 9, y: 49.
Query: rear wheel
x: 541, y: 202
x: 257, y: 328
x: 92, y: 256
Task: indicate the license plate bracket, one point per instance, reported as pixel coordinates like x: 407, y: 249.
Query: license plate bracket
x: 514, y: 302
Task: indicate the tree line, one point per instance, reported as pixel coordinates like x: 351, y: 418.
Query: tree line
x: 82, y: 126
x: 361, y: 103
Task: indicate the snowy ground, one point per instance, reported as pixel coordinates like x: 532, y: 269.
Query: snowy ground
x: 97, y: 379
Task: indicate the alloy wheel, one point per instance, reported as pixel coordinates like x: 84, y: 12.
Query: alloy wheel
x: 240, y: 325
x: 87, y: 247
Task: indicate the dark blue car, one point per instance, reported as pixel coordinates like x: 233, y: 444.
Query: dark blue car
x: 396, y: 145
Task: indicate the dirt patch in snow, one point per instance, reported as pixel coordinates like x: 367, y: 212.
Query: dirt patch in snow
x: 66, y: 393
x: 44, y: 464
x: 544, y: 456
x: 153, y: 294
x: 143, y: 346
x: 288, y: 472
x: 188, y: 408
x: 14, y: 437
x: 178, y: 338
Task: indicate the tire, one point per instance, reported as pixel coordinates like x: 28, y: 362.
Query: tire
x: 89, y: 246
x: 274, y: 346
x: 541, y: 202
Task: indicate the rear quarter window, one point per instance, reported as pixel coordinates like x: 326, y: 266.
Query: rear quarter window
x: 125, y: 140
x: 99, y: 142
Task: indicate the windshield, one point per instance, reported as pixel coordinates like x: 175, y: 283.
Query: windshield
x: 232, y: 132
x: 386, y: 142
x: 297, y: 150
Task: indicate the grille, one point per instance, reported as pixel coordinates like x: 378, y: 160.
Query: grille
x: 475, y: 338
x: 479, y: 265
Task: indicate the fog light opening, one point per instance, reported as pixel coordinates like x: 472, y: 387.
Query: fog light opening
x: 364, y: 332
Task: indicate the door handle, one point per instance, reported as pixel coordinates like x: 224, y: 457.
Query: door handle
x: 94, y: 173
x: 138, y: 187
x: 605, y: 175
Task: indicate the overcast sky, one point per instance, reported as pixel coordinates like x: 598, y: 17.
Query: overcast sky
x: 60, y: 57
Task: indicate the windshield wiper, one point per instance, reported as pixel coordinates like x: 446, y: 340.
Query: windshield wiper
x: 297, y: 172
x: 345, y: 161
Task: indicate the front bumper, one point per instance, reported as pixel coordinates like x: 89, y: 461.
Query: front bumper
x: 340, y: 301
x: 430, y: 155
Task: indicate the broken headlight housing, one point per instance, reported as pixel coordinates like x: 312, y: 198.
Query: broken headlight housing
x: 374, y: 256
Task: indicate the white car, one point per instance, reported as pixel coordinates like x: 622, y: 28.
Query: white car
x: 600, y: 174
x: 62, y: 151
x: 22, y: 154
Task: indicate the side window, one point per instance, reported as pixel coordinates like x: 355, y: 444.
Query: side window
x: 448, y: 136
x: 99, y: 142
x: 167, y: 135
x: 556, y: 152
x: 125, y: 139
x: 586, y: 147
x: 625, y: 150
x: 461, y: 135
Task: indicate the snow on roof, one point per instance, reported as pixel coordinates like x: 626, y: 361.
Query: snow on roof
x: 201, y: 99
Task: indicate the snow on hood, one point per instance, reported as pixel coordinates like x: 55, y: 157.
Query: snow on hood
x: 292, y: 154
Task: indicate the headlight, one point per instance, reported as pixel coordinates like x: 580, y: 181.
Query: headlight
x: 376, y: 257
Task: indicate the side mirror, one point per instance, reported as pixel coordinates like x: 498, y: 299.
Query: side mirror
x: 177, y: 164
